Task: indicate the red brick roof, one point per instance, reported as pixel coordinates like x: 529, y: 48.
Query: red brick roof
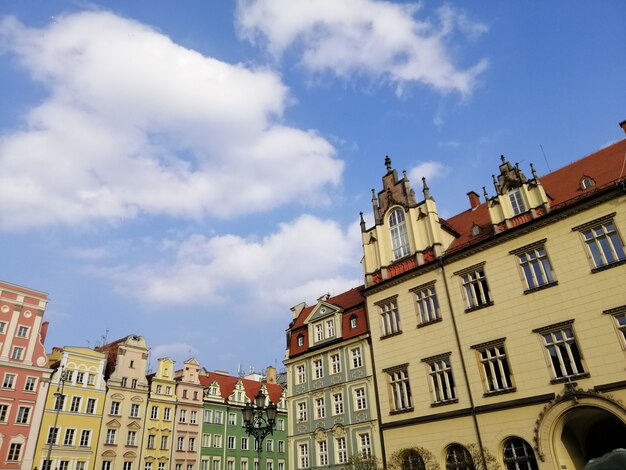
x: 227, y: 385
x: 562, y: 187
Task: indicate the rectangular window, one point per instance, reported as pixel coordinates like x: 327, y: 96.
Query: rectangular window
x: 565, y: 358
x: 133, y: 383
x: 132, y: 438
x: 232, y: 419
x: 22, y: 332
x: 23, y: 415
x: 75, y: 405
x: 85, y: 437
x: 180, y: 444
x: 124, y: 381
x: 400, y: 388
x: 476, y: 289
x: 244, y: 443
x: 269, y: 445
x: 168, y: 390
x: 330, y: 328
x: 159, y: 389
x: 166, y: 414
x: 342, y: 450
x: 68, y: 440
x: 134, y: 410
x: 30, y: 384
x: 115, y: 408
x: 338, y: 403
x: 4, y: 411
x: 107, y: 465
x: 280, y: 424
x: 80, y: 377
x: 91, y: 379
x: 217, y: 440
x: 151, y: 441
x: 3, y: 327
x: 427, y: 304
x: 619, y: 314
x: 302, y: 415
x: 64, y: 465
x: 91, y: 406
x: 9, y: 381
x: 495, y: 366
x: 154, y: 412
x: 231, y: 442
x: 15, y: 452
x: 322, y: 453
x: 365, y: 445
x: 182, y: 417
x: 335, y: 362
x: 389, y: 318
x: 59, y: 402
x: 441, y: 380
x: 111, y: 434
x: 193, y: 417
x: 281, y: 446
x: 163, y: 442
x: 319, y: 369
x: 303, y: 456
x: 319, y: 332
x: 357, y: 359
x: 604, y: 244
x: 127, y: 466
x: 360, y: 401
x: 300, y: 374
x: 219, y: 417
x: 17, y: 353
x: 535, y: 266
x: 53, y: 434
x: 517, y: 201
x: 80, y: 465
x: 320, y: 408
x: 192, y: 444
x: 208, y: 416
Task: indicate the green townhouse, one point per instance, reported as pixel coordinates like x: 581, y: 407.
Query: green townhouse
x: 225, y: 444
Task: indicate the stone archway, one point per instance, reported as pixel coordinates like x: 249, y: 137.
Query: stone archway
x: 577, y: 426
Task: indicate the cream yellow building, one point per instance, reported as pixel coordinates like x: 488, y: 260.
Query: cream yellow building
x: 124, y: 414
x: 71, y: 420
x: 499, y: 334
x: 161, y: 409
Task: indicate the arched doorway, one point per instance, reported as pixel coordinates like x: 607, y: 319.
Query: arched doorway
x: 588, y: 432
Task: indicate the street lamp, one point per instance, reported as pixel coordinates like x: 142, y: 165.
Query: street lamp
x: 59, y: 397
x: 259, y: 420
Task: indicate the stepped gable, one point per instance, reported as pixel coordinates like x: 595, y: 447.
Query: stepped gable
x: 563, y: 187
x: 227, y: 385
x: 111, y: 349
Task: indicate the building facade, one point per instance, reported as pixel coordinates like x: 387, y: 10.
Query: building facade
x: 161, y: 410
x: 24, y: 373
x: 72, y: 416
x: 330, y: 393
x: 225, y: 444
x: 499, y: 334
x: 123, y: 421
x: 188, y: 423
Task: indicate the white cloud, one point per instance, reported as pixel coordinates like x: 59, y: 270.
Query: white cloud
x: 301, y: 260
x: 134, y: 123
x: 428, y: 169
x: 378, y: 39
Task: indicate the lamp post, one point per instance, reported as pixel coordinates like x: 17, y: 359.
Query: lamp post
x: 58, y: 404
x: 259, y: 421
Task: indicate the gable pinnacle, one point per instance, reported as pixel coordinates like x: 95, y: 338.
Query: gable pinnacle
x: 426, y: 189
x: 388, y: 163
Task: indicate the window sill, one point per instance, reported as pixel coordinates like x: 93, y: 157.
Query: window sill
x: 499, y: 392
x: 569, y: 378
x: 429, y: 322
x: 444, y: 402
x: 478, y: 307
x: 403, y: 410
x: 541, y: 287
x: 608, y: 266
x: 391, y: 335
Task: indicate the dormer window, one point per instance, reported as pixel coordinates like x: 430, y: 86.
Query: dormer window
x: 300, y: 340
x: 353, y: 322
x: 475, y: 230
x: 517, y: 202
x: 399, y: 238
x: 586, y: 182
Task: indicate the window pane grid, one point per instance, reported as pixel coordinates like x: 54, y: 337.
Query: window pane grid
x: 401, y: 390
x: 390, y: 318
x: 564, y: 354
x: 604, y: 244
x: 536, y: 268
x: 442, y: 381
x: 476, y: 289
x: 427, y: 304
x: 496, y: 368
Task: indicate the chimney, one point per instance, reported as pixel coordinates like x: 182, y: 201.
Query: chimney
x: 623, y: 125
x: 474, y: 199
x: 270, y: 375
x: 43, y: 331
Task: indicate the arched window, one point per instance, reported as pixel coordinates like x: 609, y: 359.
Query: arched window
x: 586, y: 182
x: 518, y: 455
x: 399, y: 238
x: 412, y: 460
x: 458, y: 458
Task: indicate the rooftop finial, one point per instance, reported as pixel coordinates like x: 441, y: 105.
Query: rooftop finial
x: 532, y: 169
x: 404, y: 174
x: 502, y: 158
x: 426, y: 188
x: 495, y: 184
x: 362, y: 222
x: 388, y: 163
x: 485, y: 193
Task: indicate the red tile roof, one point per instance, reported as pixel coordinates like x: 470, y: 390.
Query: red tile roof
x: 346, y: 301
x: 227, y: 385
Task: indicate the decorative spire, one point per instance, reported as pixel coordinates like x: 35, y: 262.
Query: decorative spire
x: 495, y: 182
x: 426, y: 189
x: 502, y: 158
x: 388, y: 163
x: 532, y: 169
x: 485, y: 193
x: 362, y: 222
x: 404, y: 174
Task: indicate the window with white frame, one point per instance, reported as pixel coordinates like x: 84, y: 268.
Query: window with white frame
x: 151, y: 441
x: 91, y: 379
x: 357, y: 358
x: 22, y: 331
x: 91, y: 406
x: 335, y: 363
x: 353, y: 322
x: 219, y: 417
x: 193, y: 417
x: 115, y: 408
x: 166, y: 414
x: 300, y: 340
x: 475, y: 287
x: 561, y: 347
x: 330, y: 328
x: 23, y: 415
x: 320, y: 408
x: 3, y: 327
x: 303, y: 455
x: 232, y: 419
x: 110, y: 437
x: 619, y: 315
x: 53, y: 434
x: 427, y: 304
x: 389, y: 317
x: 231, y: 442
x: 80, y: 377
x: 302, y: 414
x: 269, y: 445
x: 208, y: 416
x: 75, y: 404
x: 192, y: 444
x: 164, y: 442
x: 85, y: 438
x: 400, y: 388
x: 134, y: 410
x: 280, y: 424
x: 360, y: 400
x: 180, y: 443
x: 322, y: 453
x: 107, y: 465
x: 68, y: 439
x: 17, y: 353
x: 604, y: 244
x: 338, y: 403
x: 300, y: 374
x: 442, y: 384
x: 318, y: 368
x: 131, y: 439
x: 15, y: 452
x: 217, y: 440
x: 206, y: 440
x: 182, y: 416
x: 495, y: 366
x: 281, y: 446
x: 154, y: 412
x: 517, y: 201
x: 244, y: 443
x: 365, y: 445
x: 399, y: 236
x: 9, y: 381
x: 341, y: 449
x: 319, y: 332
x: 535, y: 265
x: 4, y: 412
x: 127, y: 465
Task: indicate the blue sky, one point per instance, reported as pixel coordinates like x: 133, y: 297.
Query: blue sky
x: 189, y: 172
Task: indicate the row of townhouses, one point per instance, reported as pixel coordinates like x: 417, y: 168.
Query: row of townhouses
x: 83, y: 409
x: 495, y: 338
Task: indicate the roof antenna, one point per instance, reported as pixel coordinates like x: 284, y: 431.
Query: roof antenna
x: 545, y: 158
